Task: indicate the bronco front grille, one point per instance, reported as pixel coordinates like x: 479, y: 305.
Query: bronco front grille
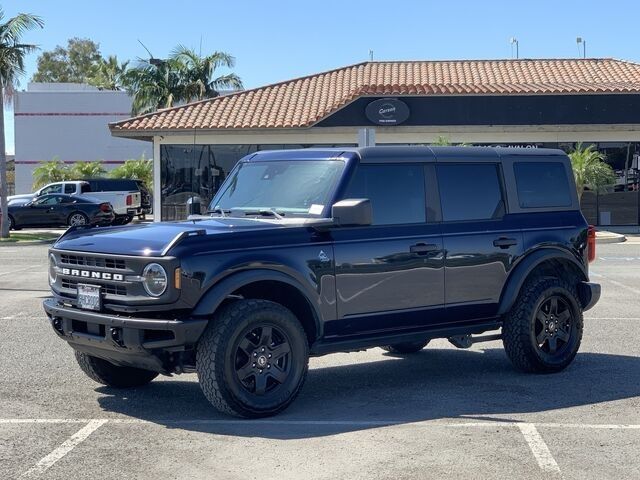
x: 109, y: 289
x: 87, y: 261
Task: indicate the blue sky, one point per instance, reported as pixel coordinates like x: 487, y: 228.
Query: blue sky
x: 281, y: 39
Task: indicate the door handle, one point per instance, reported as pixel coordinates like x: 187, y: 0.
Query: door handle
x: 423, y: 248
x: 505, y: 242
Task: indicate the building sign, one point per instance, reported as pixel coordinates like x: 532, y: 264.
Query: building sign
x: 387, y: 111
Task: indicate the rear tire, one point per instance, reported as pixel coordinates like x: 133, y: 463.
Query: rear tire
x: 252, y: 359
x: 543, y: 330
x: 406, y: 347
x: 77, y: 219
x: 112, y: 375
x: 12, y: 223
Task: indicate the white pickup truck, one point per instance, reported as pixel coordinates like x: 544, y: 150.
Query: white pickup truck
x: 126, y: 203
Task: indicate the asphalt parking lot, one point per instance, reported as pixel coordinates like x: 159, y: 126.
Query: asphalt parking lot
x: 442, y: 412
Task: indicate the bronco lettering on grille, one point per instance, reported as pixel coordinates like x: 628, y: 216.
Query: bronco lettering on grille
x: 117, y: 277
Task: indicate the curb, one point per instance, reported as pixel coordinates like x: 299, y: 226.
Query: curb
x: 609, y: 237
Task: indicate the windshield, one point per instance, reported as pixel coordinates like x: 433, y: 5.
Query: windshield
x: 288, y: 188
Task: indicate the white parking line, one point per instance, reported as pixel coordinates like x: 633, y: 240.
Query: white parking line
x: 73, y: 441
x: 540, y: 450
x: 529, y: 430
x: 20, y: 270
x: 616, y: 283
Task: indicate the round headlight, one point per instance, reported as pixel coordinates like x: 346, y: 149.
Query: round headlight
x: 53, y: 271
x: 154, y: 279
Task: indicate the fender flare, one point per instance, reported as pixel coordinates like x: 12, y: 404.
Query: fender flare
x: 212, y: 299
x: 522, y: 270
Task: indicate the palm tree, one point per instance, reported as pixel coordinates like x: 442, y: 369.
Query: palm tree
x: 109, y: 74
x: 199, y: 73
x: 49, y: 172
x: 590, y: 169
x: 136, y: 169
x: 183, y: 77
x: 155, y: 85
x: 80, y: 170
x: 12, y: 54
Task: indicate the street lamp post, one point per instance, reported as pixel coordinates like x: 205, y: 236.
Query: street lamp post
x: 514, y: 41
x: 582, y: 41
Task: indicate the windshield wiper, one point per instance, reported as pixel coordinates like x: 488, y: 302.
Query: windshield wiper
x: 220, y: 211
x: 265, y: 213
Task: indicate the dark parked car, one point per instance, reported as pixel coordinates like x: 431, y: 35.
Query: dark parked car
x: 56, y: 209
x: 310, y: 252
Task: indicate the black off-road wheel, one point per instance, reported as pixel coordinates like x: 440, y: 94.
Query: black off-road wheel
x: 406, y: 347
x: 112, y: 375
x: 252, y: 359
x: 543, y: 330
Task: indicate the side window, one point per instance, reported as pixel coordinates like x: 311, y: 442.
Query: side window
x: 542, y: 184
x: 470, y: 192
x: 397, y: 192
x: 50, y: 200
x: 85, y: 188
x: 69, y: 188
x: 53, y: 188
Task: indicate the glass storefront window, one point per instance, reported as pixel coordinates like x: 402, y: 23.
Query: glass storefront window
x: 198, y: 171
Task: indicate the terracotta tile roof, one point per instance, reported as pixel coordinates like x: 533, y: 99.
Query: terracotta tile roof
x: 302, y: 102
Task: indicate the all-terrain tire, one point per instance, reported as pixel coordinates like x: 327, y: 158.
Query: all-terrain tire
x: 112, y: 375
x: 518, y: 331
x: 217, y: 357
x: 406, y: 347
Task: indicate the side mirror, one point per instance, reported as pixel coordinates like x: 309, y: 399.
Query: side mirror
x: 352, y: 212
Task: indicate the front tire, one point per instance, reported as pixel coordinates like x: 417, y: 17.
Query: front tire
x: 252, y: 359
x: 112, y: 375
x: 543, y: 330
x: 406, y: 347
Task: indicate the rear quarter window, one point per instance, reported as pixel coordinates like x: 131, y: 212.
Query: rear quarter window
x: 542, y: 184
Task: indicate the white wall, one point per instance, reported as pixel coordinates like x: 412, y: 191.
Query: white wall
x: 69, y: 121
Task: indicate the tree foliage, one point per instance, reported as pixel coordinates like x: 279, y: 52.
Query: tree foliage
x: 12, y: 55
x: 590, y: 169
x: 136, y: 169
x: 49, y: 172
x: 74, y: 63
x: 199, y: 73
x: 183, y: 77
x: 91, y: 169
x: 109, y: 74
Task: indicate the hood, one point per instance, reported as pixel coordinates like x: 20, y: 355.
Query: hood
x: 22, y: 195
x: 152, y: 239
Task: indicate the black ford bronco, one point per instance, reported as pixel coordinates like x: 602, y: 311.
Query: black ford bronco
x: 309, y: 252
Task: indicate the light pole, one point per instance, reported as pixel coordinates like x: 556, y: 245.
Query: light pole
x: 582, y: 41
x: 514, y: 41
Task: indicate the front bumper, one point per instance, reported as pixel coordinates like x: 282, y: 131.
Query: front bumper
x: 589, y: 294
x: 123, y: 340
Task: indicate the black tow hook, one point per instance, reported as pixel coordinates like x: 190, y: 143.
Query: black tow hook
x: 116, y: 336
x: 56, y: 322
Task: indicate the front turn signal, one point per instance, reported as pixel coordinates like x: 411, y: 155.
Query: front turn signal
x: 177, y: 278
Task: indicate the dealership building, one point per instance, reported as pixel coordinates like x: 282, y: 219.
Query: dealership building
x: 554, y: 103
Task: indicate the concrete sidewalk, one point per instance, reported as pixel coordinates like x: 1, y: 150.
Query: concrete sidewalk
x: 603, y: 236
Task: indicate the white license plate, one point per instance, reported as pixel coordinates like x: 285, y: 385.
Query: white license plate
x: 88, y: 297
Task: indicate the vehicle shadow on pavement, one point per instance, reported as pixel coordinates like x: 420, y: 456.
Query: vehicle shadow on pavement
x: 429, y: 385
